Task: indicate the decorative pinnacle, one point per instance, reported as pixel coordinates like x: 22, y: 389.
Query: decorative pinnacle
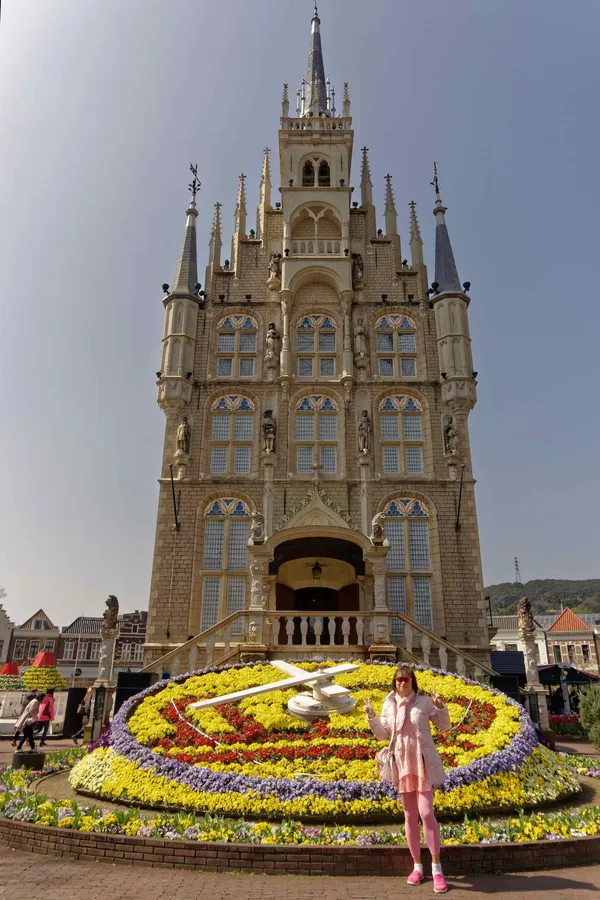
x: 216, y: 229
x: 415, y: 231
x: 436, y: 183
x: 389, y: 194
x: 285, y: 97
x: 195, y: 185
x: 346, y: 91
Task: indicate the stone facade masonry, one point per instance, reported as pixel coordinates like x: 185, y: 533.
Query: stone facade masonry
x: 320, y: 284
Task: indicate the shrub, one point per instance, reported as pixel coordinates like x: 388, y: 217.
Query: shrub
x: 589, y: 708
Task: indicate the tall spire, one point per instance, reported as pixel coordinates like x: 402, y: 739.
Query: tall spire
x: 416, y: 244
x: 215, y: 239
x: 316, y: 88
x: 186, y: 271
x: 240, y: 209
x: 285, y: 102
x: 446, y: 273
x: 265, y: 181
x: 366, y: 185
x: 391, y: 216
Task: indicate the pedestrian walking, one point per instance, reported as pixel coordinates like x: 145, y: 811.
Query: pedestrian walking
x: 84, y: 710
x: 45, y: 715
x: 27, y: 720
x: 412, y: 763
x: 28, y: 698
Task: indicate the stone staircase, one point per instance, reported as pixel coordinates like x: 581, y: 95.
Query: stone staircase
x: 249, y: 635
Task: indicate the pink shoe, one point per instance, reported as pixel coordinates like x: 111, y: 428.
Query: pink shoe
x: 415, y: 878
x: 439, y: 884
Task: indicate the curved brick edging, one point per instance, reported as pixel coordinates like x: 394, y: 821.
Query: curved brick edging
x: 275, y: 859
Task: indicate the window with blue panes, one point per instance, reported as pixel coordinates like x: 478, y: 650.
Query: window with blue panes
x: 396, y: 346
x: 236, y: 346
x: 225, y: 562
x: 408, y: 563
x: 231, y: 435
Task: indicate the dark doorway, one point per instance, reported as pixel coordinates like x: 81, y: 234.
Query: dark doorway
x: 316, y: 599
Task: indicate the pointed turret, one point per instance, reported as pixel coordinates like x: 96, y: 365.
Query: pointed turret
x: 264, y: 202
x: 346, y: 107
x: 446, y: 273
x: 240, y: 209
x: 416, y: 244
x: 285, y: 102
x: 315, y: 102
x: 366, y: 185
x: 186, y: 271
x: 391, y: 216
x: 215, y: 240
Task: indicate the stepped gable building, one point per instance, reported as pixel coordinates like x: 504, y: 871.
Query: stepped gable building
x: 317, y: 394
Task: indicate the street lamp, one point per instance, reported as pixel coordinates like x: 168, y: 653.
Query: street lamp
x: 316, y: 570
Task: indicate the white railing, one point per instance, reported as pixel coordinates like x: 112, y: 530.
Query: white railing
x: 304, y: 632
x: 328, y: 247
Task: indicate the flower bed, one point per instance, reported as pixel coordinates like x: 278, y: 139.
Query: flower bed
x: 567, y: 725
x: 269, y: 764
x: 19, y: 803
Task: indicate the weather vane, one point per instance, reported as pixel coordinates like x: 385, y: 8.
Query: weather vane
x: 435, y: 182
x: 195, y: 186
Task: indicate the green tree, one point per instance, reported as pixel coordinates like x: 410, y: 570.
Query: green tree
x: 589, y: 710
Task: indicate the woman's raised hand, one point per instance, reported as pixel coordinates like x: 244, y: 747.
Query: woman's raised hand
x: 369, y: 708
x: 437, y: 701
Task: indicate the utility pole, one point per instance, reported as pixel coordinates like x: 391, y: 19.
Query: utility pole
x: 517, y: 573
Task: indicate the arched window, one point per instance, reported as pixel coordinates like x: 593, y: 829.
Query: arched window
x: 396, y: 346
x: 408, y: 562
x: 401, y: 434
x: 324, y: 174
x: 231, y: 433
x: 308, y: 174
x: 236, y: 346
x: 316, y: 434
x: 316, y: 347
x: 225, y: 561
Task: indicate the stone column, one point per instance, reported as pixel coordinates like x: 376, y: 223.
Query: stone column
x: 347, y: 360
x: 381, y: 648
x: 285, y: 298
x: 255, y: 648
x: 533, y: 686
x: 269, y: 461
x: 363, y: 465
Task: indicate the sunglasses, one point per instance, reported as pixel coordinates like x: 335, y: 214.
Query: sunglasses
x: 403, y: 679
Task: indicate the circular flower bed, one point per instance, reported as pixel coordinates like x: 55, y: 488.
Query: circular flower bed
x: 18, y: 802
x: 255, y: 759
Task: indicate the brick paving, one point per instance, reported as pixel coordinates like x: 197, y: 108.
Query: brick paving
x: 24, y: 875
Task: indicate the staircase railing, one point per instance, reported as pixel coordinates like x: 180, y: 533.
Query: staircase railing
x: 306, y: 632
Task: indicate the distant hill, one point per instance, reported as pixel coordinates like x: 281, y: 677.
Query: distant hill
x: 547, y: 596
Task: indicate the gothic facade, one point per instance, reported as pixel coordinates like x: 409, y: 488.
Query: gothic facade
x: 317, y: 394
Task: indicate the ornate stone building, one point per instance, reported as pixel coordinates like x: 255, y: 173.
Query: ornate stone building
x: 317, y: 394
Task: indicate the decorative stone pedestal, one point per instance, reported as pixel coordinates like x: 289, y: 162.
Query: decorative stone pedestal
x: 382, y: 653
x: 253, y: 653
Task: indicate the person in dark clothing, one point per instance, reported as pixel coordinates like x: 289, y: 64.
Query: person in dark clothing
x: 84, y: 708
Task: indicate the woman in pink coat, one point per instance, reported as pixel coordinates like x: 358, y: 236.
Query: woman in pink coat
x: 418, y: 770
x: 45, y: 715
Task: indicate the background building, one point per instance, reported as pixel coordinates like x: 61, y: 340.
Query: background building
x: 36, y: 634
x: 317, y: 396
x: 566, y: 637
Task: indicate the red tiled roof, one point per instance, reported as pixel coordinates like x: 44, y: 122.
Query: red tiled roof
x: 568, y: 621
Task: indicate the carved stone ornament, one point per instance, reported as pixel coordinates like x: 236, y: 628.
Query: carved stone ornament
x: 257, y: 530
x: 111, y: 616
x: 272, y: 339
x: 269, y: 430
x: 360, y: 340
x: 358, y: 269
x: 275, y: 267
x: 450, y: 436
x: 184, y: 433
x: 378, y: 529
x: 526, y: 623
x: 365, y: 430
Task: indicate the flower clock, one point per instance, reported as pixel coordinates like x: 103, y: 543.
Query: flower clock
x: 255, y: 759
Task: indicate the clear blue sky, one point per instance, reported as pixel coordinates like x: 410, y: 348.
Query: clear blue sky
x: 104, y: 104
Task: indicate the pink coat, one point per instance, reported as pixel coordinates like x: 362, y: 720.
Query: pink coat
x: 46, y: 712
x: 421, y: 713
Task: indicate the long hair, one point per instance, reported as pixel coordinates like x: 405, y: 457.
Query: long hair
x: 405, y: 668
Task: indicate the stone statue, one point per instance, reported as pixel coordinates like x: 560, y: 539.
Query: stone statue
x: 272, y: 338
x: 275, y: 266
x: 526, y: 623
x: 360, y: 339
x: 377, y: 529
x: 184, y: 433
x: 257, y: 529
x: 450, y: 436
x: 111, y: 615
x: 269, y: 430
x: 365, y: 429
x: 358, y: 269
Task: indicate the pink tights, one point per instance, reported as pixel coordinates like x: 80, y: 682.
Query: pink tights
x: 417, y: 803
